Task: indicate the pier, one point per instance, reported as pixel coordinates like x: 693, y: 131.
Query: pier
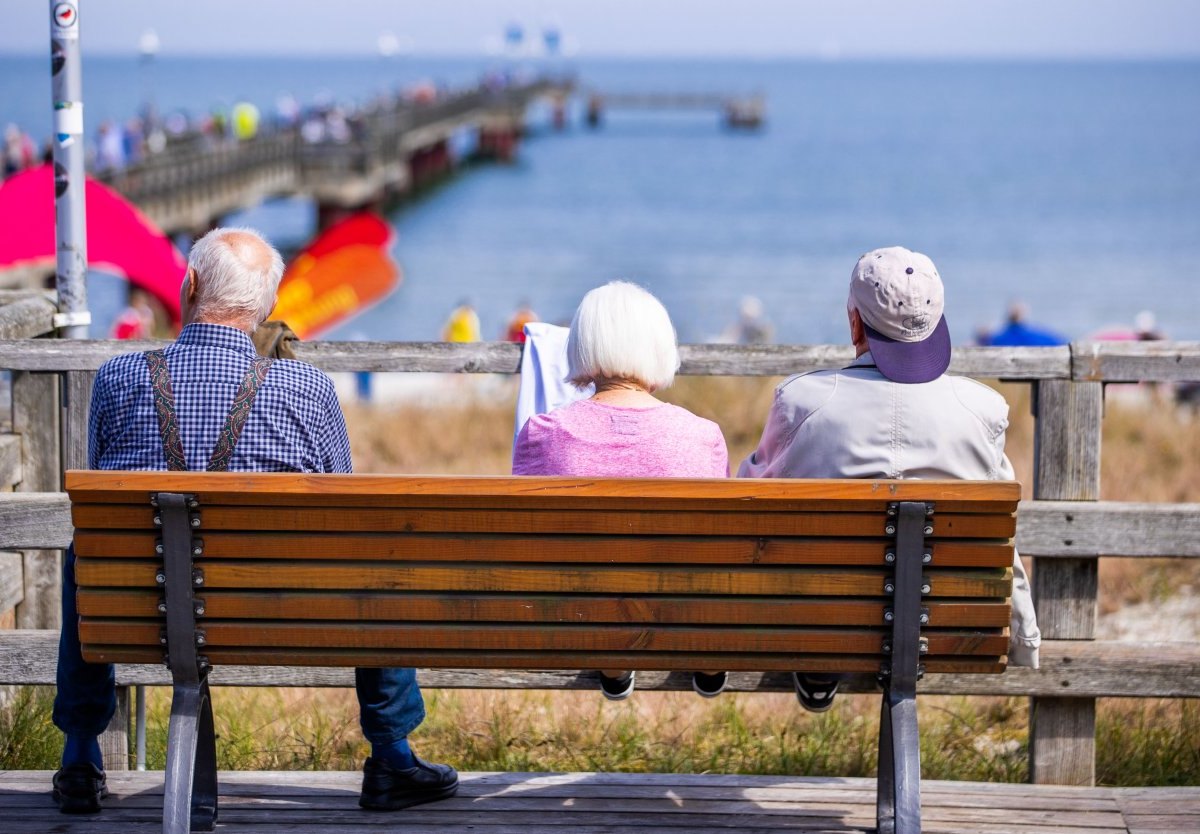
x: 392, y: 149
x: 736, y: 111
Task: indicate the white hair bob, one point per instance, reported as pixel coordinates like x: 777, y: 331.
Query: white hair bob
x: 621, y: 331
x: 237, y: 280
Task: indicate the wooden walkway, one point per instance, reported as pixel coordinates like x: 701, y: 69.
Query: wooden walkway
x: 610, y: 803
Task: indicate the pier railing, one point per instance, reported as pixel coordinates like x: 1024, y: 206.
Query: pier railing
x: 1065, y: 529
x: 198, y: 178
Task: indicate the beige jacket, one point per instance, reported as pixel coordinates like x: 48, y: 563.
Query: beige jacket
x: 856, y: 423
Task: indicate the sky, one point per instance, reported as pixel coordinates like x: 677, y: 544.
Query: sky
x: 852, y: 29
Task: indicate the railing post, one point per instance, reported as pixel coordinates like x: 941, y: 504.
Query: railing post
x: 1062, y: 731
x: 35, y: 419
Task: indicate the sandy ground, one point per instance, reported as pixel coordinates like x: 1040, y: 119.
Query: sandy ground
x: 1175, y: 619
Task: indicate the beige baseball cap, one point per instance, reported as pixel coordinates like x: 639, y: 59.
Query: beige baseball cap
x: 900, y: 297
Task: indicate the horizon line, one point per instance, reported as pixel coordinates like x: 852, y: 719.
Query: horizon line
x: 814, y: 57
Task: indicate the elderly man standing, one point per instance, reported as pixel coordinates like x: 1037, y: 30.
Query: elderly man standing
x: 208, y: 401
x: 892, y: 413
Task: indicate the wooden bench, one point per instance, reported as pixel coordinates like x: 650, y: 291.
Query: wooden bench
x: 887, y: 578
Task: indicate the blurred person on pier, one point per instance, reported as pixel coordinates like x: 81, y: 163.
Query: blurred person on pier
x: 166, y: 410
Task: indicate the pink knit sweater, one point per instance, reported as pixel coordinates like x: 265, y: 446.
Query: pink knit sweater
x: 587, y: 439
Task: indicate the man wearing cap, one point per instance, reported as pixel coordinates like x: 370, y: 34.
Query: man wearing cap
x: 892, y: 413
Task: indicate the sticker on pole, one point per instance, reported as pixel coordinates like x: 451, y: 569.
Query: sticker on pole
x: 66, y: 18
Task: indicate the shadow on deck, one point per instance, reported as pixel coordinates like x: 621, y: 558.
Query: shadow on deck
x: 600, y: 803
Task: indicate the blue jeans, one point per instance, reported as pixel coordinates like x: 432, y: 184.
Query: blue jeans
x: 389, y: 700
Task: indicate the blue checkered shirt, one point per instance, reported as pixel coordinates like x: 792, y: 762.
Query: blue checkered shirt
x: 296, y: 424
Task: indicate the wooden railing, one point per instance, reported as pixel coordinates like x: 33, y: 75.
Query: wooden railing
x: 199, y: 178
x: 1066, y: 528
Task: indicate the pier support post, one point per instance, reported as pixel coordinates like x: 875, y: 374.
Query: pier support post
x: 1062, y: 731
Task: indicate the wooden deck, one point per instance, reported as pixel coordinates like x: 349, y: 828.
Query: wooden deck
x: 600, y: 803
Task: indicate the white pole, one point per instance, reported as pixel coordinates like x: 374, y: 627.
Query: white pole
x: 66, y: 88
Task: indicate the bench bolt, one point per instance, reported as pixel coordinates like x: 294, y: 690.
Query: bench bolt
x: 889, y: 557
x: 926, y: 558
x: 200, y: 641
x: 160, y: 578
x: 925, y: 589
x: 195, y: 522
x: 888, y: 616
x: 889, y: 588
x: 162, y: 606
x: 158, y: 521
x: 158, y: 548
x: 890, y: 529
x: 928, y: 529
x: 924, y: 619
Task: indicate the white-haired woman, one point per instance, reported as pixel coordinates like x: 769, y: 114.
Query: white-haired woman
x: 622, y: 341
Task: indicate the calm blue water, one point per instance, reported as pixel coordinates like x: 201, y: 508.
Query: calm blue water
x: 1075, y: 187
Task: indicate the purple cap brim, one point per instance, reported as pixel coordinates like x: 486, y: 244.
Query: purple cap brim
x: 911, y: 362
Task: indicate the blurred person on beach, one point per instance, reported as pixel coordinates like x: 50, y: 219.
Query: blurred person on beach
x: 523, y: 315
x: 20, y: 151
x: 752, y: 326
x: 291, y: 422
x: 137, y: 320
x: 1018, y: 332
x: 892, y: 413
x: 622, y: 341
x: 462, y: 325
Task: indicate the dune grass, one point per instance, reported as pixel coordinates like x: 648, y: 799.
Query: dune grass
x: 1139, y: 742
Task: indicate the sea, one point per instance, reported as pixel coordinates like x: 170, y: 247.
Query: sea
x: 1073, y: 187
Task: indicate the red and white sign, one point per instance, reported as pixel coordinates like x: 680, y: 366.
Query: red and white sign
x: 65, y: 16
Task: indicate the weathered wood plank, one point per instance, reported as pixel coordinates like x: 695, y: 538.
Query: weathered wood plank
x: 12, y: 585
x: 1107, y: 528
x: 78, y: 392
x: 505, y: 357
x: 10, y: 461
x: 1099, y: 362
x: 1044, y: 528
x: 1135, y: 361
x: 1066, y: 468
x: 1092, y: 669
x: 274, y: 803
x: 24, y: 315
x: 33, y: 520
x: 35, y: 400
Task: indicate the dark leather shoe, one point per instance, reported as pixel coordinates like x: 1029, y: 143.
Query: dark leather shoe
x: 78, y: 788
x: 386, y: 788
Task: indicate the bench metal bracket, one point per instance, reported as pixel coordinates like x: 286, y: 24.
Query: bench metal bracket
x: 190, y: 792
x: 898, y: 801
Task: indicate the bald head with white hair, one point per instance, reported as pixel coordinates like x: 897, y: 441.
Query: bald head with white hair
x: 232, y: 279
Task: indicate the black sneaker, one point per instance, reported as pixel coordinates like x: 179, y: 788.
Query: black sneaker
x: 618, y: 688
x: 78, y: 788
x: 387, y: 788
x: 815, y: 693
x: 709, y: 686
